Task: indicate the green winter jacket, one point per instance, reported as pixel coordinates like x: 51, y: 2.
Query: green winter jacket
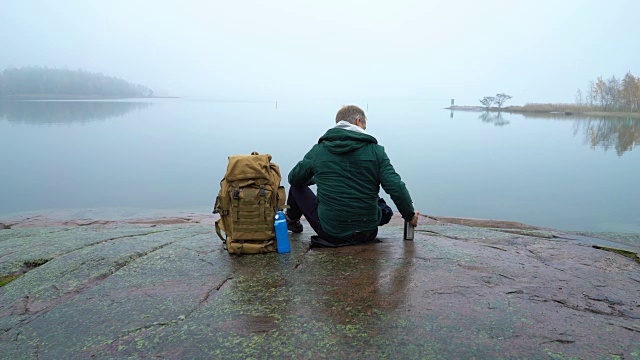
x: 348, y: 168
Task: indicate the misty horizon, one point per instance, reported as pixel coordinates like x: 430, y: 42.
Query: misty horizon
x: 284, y: 50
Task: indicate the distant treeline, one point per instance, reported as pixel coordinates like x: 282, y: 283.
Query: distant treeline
x: 612, y: 94
x: 30, y: 81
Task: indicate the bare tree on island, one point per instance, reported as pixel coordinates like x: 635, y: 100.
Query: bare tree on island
x: 487, y: 101
x: 501, y: 99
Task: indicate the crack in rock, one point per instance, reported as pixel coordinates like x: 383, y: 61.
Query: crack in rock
x: 428, y: 259
x: 559, y: 341
x: 301, y: 258
x: 439, y: 234
x: 630, y: 328
x: 135, y: 256
x: 519, y: 291
x: 147, y: 327
x: 120, y: 237
x: 493, y: 247
x: 604, y: 299
x: 614, y: 311
x: 217, y: 288
x: 205, y: 298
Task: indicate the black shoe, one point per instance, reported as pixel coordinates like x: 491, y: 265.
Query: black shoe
x: 293, y: 225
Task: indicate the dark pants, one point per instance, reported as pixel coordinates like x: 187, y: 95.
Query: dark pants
x: 302, y: 201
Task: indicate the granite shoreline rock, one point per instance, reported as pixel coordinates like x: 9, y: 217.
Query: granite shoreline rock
x: 462, y: 289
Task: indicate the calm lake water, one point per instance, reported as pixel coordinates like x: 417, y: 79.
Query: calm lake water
x: 564, y: 172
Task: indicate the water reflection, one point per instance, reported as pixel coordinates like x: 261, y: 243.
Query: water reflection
x: 621, y: 134
x: 360, y: 281
x: 496, y: 118
x: 56, y: 112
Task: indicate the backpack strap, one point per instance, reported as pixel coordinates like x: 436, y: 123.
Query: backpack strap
x: 219, y: 229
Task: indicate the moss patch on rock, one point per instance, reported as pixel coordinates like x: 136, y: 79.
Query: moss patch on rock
x: 630, y: 254
x: 5, y: 279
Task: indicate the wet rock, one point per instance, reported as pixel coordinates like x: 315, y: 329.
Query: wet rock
x: 116, y: 289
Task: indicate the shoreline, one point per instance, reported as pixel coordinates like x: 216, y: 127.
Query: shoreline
x: 52, y: 220
x: 512, y: 110
x: 86, y: 217
x: 134, y: 216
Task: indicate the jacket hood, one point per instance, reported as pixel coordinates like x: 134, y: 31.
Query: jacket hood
x: 348, y: 126
x: 340, y: 141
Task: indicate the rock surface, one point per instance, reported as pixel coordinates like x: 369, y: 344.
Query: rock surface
x: 168, y: 290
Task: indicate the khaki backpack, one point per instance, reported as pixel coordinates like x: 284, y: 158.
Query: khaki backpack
x: 250, y: 194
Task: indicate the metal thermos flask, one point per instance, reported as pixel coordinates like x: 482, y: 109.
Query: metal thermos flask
x: 408, y: 230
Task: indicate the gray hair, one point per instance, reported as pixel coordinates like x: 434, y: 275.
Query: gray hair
x: 350, y: 113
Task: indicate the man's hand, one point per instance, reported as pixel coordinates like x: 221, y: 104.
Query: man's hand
x: 414, y: 221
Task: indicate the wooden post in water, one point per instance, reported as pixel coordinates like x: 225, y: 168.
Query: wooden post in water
x: 452, y: 101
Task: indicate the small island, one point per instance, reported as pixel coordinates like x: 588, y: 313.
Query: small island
x: 43, y: 83
x: 604, y: 97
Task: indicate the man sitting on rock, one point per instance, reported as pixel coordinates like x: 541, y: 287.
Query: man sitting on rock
x: 348, y: 167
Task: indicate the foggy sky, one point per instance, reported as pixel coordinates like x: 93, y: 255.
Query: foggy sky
x: 537, y: 51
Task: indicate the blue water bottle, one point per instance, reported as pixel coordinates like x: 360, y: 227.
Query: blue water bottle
x: 282, y: 233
